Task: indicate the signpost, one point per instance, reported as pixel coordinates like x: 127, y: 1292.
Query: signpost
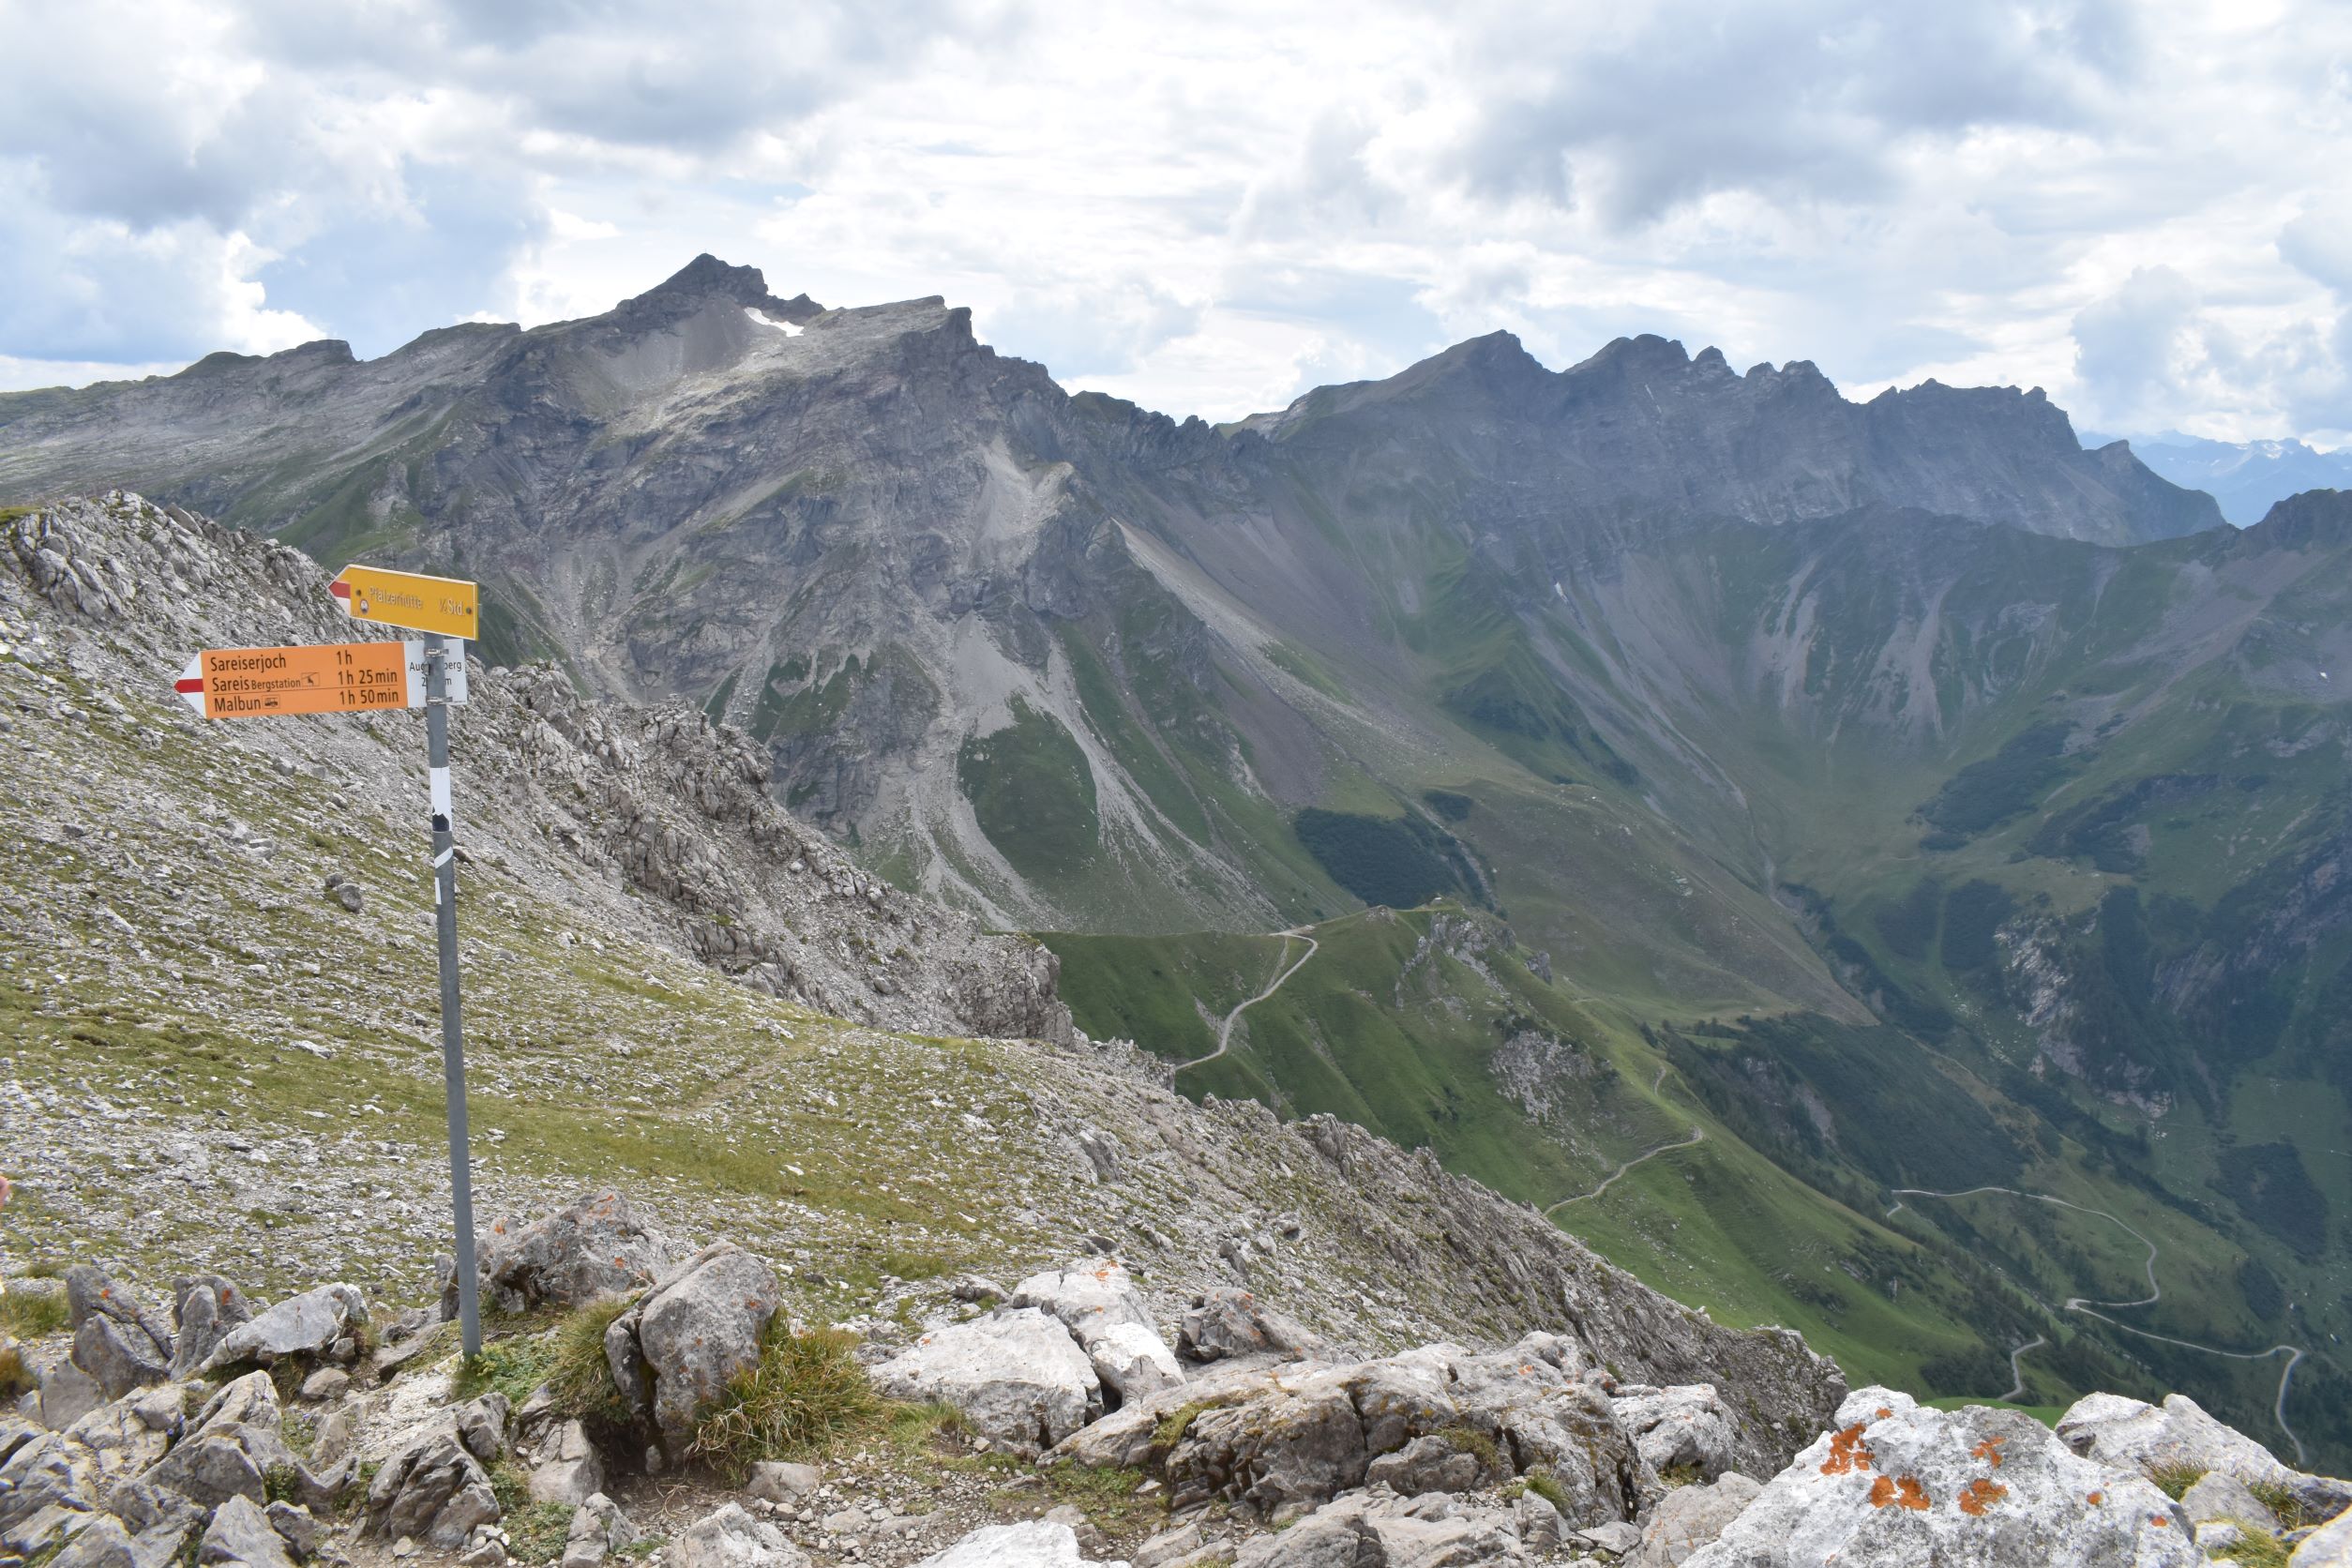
x: 446, y: 605
x: 363, y: 677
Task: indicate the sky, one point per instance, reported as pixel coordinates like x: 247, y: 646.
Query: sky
x: 2144, y: 208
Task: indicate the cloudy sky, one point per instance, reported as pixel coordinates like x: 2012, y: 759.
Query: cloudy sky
x: 2145, y: 207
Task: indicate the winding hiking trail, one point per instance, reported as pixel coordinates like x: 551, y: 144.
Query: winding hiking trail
x: 1225, y: 1030
x: 2084, y: 1304
x: 2016, y: 1393
x: 1698, y: 1135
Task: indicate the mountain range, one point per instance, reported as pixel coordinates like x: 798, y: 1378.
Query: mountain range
x: 1797, y: 807
x: 2246, y: 478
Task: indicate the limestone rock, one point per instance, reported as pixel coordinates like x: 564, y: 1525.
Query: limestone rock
x: 1683, y: 1426
x: 1017, y: 1374
x: 102, y: 1543
x: 241, y: 1533
x: 1230, y: 1321
x: 1979, y: 1487
x: 571, y: 1470
x: 2328, y: 1547
x: 1437, y: 1462
x: 304, y: 1325
x: 2130, y: 1433
x: 1688, y: 1517
x: 731, y: 1538
x: 117, y: 1357
x: 1033, y: 1543
x: 297, y: 1526
x: 68, y: 1394
x: 1095, y: 1298
x: 1366, y: 1529
x: 673, y: 1353
x: 597, y: 1246
x: 90, y: 1293
x: 204, y: 1308
x: 597, y: 1529
x: 433, y: 1489
x: 208, y: 1471
x: 778, y: 1482
x: 2219, y: 1495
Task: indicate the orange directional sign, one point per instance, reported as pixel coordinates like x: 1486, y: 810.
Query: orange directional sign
x: 447, y: 604
x: 329, y: 678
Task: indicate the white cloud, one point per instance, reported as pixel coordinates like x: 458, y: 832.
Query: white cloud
x: 1208, y: 212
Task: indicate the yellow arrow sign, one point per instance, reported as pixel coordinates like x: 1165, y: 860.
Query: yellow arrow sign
x: 447, y: 604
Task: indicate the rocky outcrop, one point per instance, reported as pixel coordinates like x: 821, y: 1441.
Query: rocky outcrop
x: 311, y: 1324
x: 1979, y: 1487
x: 675, y: 1351
x: 1017, y: 1374
x: 1690, y: 1517
x: 596, y: 1247
x: 1096, y: 1301
x: 1282, y: 1440
x: 731, y: 1538
x: 2178, y: 1437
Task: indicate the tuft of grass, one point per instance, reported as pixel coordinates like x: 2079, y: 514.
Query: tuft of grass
x: 912, y: 1427
x: 2174, y: 1480
x: 1545, y: 1485
x: 2256, y: 1548
x: 16, y: 1379
x: 514, y: 1368
x: 2282, y: 1504
x: 535, y: 1531
x: 806, y: 1392
x: 29, y: 1316
x: 579, y: 1377
x: 1468, y: 1440
x: 1173, y: 1426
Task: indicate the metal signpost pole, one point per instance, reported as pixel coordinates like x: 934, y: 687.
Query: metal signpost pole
x: 446, y: 921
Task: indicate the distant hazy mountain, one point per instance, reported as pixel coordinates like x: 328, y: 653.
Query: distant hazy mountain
x: 2245, y: 477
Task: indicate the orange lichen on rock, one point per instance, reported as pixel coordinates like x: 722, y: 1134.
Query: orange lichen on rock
x: 2098, y: 1498
x: 1989, y: 1451
x: 2160, y: 1522
x: 1979, y: 1494
x: 1847, y: 1453
x: 1884, y: 1412
x: 1902, y: 1491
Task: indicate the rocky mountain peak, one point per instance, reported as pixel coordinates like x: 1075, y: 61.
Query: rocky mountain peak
x: 704, y: 279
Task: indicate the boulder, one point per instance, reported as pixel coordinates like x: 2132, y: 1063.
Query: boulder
x: 102, y: 1543
x: 90, y: 1293
x: 1033, y: 1543
x: 208, y: 1471
x: 731, y: 1538
x: 598, y: 1246
x: 128, y: 1435
x: 2328, y: 1547
x: 241, y: 1533
x: 2130, y: 1433
x: 1540, y: 1524
x: 673, y: 1353
x: 1281, y: 1438
x: 204, y: 1308
x: 67, y: 1394
x: 1979, y: 1487
x: 1095, y: 1298
x: 304, y: 1325
x: 1439, y: 1462
x: 598, y: 1528
x: 1617, y: 1538
x: 2218, y: 1495
x: 119, y: 1358
x: 433, y: 1489
x: 1366, y: 1529
x: 569, y: 1470
x: 1688, y: 1517
x: 1682, y: 1428
x: 48, y: 1490
x: 782, y: 1482
x: 1230, y: 1321
x: 297, y: 1526
x: 1016, y: 1376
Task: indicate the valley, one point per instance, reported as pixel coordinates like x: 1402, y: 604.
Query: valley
x: 1712, y: 807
